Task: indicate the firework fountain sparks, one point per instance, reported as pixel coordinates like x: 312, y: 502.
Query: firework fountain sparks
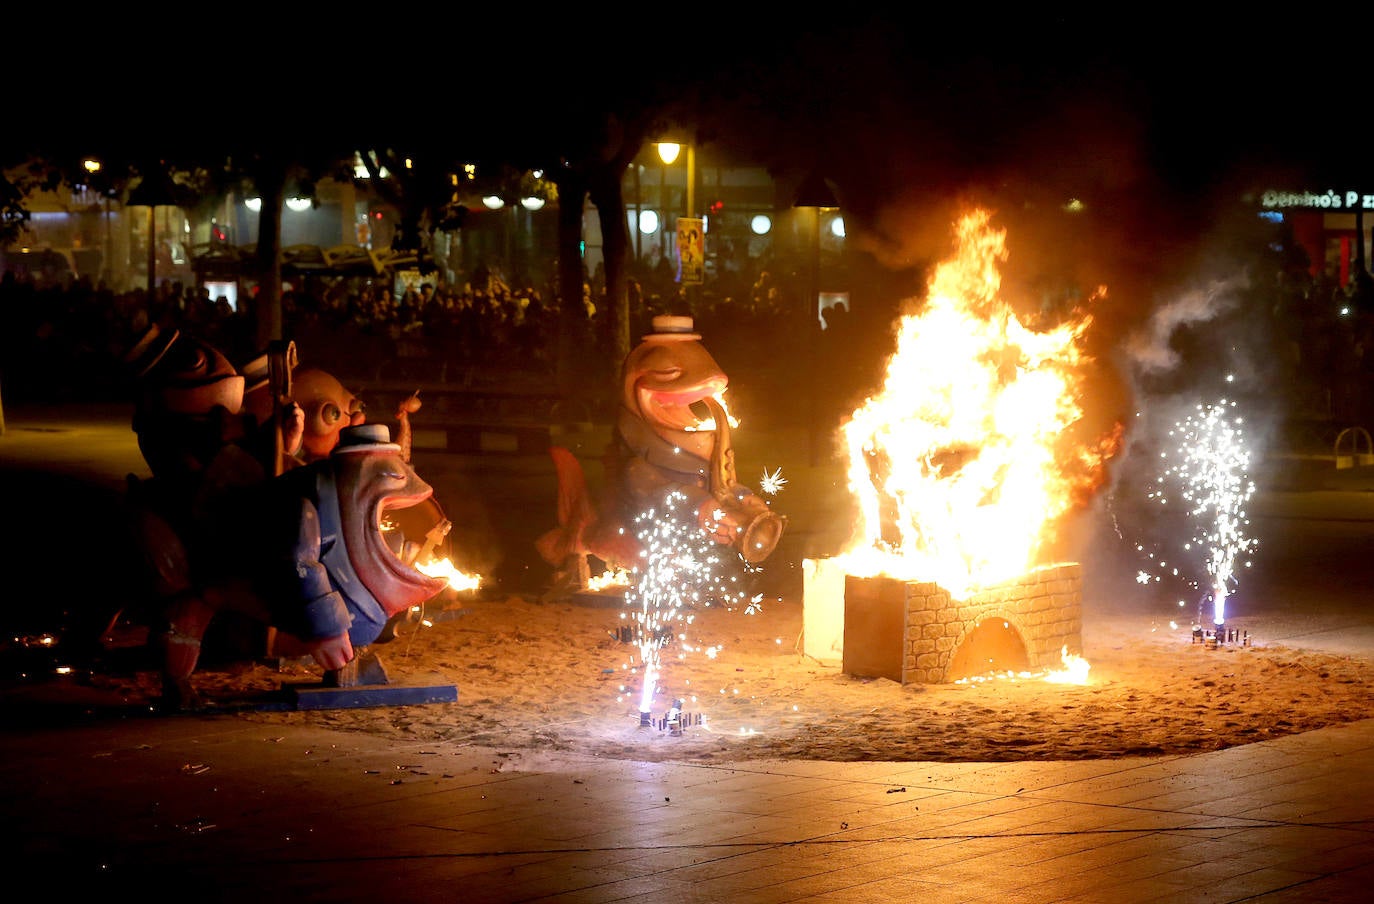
x: 1207, y: 468
x: 680, y: 569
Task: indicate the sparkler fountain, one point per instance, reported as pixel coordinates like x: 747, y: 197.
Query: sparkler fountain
x: 673, y: 515
x: 1209, y: 471
x: 680, y: 568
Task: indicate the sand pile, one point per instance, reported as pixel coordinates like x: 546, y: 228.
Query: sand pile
x: 557, y: 676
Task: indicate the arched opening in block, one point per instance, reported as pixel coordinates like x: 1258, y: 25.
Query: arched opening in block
x: 993, y: 646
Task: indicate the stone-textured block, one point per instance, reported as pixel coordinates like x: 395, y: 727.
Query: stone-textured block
x: 911, y: 631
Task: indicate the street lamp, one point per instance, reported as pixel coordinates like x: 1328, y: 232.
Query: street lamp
x: 153, y: 191
x: 93, y: 168
x: 668, y: 152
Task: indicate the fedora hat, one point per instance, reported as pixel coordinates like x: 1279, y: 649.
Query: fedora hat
x: 672, y: 326
x: 365, y: 438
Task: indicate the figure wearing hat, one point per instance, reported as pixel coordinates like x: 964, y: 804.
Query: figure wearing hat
x: 250, y: 509
x: 347, y: 576
x: 188, y: 406
x: 672, y: 434
x: 306, y: 553
x: 198, y: 418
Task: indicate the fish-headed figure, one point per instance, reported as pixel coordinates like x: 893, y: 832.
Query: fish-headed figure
x: 672, y: 435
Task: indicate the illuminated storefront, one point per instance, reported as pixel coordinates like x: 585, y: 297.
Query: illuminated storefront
x: 1331, y: 226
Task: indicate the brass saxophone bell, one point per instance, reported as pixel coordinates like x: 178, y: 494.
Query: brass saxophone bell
x: 761, y: 537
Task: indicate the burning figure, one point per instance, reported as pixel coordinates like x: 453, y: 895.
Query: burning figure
x: 230, y: 523
x: 967, y: 467
x: 672, y: 434
x: 964, y: 481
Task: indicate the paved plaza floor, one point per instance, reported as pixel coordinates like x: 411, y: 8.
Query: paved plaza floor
x: 212, y: 808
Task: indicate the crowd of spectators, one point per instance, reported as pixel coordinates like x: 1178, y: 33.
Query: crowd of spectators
x: 1327, y: 343
x: 67, y: 341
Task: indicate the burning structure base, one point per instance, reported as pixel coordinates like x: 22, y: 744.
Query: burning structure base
x: 916, y: 633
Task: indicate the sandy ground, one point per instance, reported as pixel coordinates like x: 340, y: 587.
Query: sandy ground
x: 533, y: 675
x: 555, y: 676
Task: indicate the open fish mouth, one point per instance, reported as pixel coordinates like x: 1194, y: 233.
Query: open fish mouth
x: 683, y: 409
x: 410, y: 529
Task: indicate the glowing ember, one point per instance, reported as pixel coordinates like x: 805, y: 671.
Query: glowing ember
x: 1207, y: 468
x: 443, y: 568
x: 963, y: 461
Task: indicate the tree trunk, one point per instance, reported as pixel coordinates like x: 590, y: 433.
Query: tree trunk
x: 572, y: 316
x: 609, y: 198
x: 599, y: 175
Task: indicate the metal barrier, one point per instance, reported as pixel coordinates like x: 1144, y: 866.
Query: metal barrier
x: 1361, y: 450
x: 466, y: 419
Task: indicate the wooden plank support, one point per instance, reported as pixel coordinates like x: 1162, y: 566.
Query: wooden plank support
x: 319, y: 696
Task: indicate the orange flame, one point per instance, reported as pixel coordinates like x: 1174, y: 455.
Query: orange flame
x: 609, y: 578
x: 1075, y: 671
x: 962, y: 462
x: 444, y: 568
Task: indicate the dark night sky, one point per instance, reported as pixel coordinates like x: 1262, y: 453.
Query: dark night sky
x: 1144, y: 107
x: 959, y: 87
x: 1198, y: 102
x: 1149, y: 113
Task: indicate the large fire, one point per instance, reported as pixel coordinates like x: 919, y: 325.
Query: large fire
x: 964, y: 460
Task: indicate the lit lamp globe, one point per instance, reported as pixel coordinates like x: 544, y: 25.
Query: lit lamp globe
x: 668, y: 151
x: 648, y: 222
x: 760, y: 224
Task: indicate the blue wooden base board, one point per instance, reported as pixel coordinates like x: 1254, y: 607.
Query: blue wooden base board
x: 317, y: 696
